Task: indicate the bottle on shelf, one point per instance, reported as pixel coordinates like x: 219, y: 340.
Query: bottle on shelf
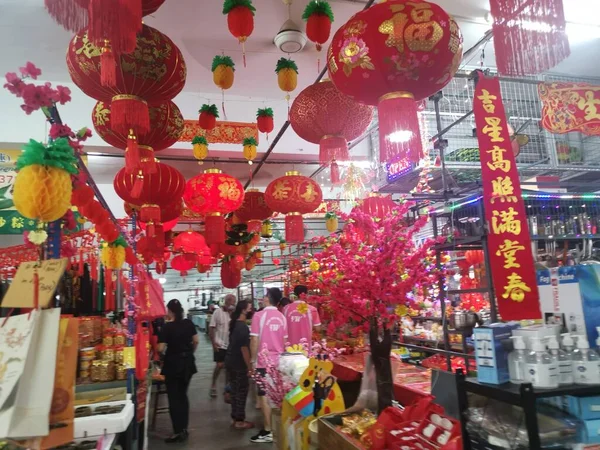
x: 568, y: 344
x: 542, y: 371
x: 586, y: 363
x: 563, y: 360
x: 517, y: 361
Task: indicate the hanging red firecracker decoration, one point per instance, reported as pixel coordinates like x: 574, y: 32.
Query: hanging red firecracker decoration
x: 136, y: 86
x: 184, y: 262
x: 264, y: 120
x: 323, y: 115
x: 231, y: 276
x: 240, y: 20
x: 214, y: 194
x: 392, y: 55
x: 208, y: 117
x: 319, y: 17
x: 254, y: 210
x: 166, y: 127
x: 249, y: 149
x: 294, y: 195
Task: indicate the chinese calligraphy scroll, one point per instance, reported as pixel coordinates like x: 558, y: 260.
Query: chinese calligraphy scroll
x: 570, y: 107
x: 509, y: 244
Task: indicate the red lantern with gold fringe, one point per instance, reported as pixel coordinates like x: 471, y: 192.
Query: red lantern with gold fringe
x: 293, y: 195
x: 323, y: 115
x: 166, y: 127
x: 254, y: 211
x: 391, y: 55
x: 184, y: 262
x: 231, y: 276
x: 214, y: 194
x: 376, y: 206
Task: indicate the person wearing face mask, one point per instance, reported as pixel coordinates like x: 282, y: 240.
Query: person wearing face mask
x: 219, y: 335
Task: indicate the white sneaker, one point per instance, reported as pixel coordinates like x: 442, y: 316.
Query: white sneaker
x: 262, y: 437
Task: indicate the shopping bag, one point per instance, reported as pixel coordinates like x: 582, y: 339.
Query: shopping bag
x: 24, y: 413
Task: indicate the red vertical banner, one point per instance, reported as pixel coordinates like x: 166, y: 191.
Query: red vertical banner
x: 509, y: 243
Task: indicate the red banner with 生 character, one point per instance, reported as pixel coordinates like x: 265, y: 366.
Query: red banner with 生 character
x: 509, y: 244
x: 570, y: 107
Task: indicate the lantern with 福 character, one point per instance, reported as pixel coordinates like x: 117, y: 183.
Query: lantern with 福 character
x: 153, y: 73
x: 151, y: 191
x: 240, y: 20
x: 392, y: 55
x: 319, y: 17
x: 166, y: 127
x: 207, y: 120
x: 214, y: 194
x: 323, y: 115
x: 254, y: 210
x: 264, y: 120
x: 294, y: 195
x: 200, y: 148
x: 249, y: 144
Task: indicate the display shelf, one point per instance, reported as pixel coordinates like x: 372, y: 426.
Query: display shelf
x: 87, y: 387
x: 100, y: 425
x: 434, y: 350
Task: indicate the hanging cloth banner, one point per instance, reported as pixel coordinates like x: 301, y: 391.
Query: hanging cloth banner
x: 570, y: 107
x: 223, y: 133
x: 509, y: 244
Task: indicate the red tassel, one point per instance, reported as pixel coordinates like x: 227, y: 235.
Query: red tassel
x: 214, y: 229
x: 333, y: 148
x: 399, y: 132
x: 150, y: 213
x: 294, y: 228
x: 36, y: 290
x: 119, y: 20
x: 132, y: 153
x: 68, y: 13
x: 108, y: 66
x: 334, y: 173
x: 147, y: 159
x: 138, y: 185
x: 129, y: 112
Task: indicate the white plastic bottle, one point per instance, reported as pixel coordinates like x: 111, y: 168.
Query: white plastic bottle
x: 586, y: 363
x: 568, y: 344
x: 517, y: 361
x: 542, y: 371
x: 564, y: 361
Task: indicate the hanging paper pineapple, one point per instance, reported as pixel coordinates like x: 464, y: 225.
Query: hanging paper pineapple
x: 282, y: 245
x: 200, y: 148
x: 240, y: 20
x: 208, y: 117
x: 264, y: 120
x: 113, y: 255
x: 266, y: 230
x: 42, y: 189
x: 287, y: 75
x: 331, y: 222
x: 319, y: 17
x: 250, y: 149
x: 223, y: 69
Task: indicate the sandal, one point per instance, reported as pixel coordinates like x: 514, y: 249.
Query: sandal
x: 243, y: 425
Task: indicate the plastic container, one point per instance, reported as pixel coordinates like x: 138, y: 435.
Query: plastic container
x: 568, y: 344
x: 586, y: 363
x: 563, y: 360
x: 541, y: 368
x: 517, y: 361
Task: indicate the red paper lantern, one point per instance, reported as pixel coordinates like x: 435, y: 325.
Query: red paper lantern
x: 240, y: 20
x: 318, y: 16
x: 168, y: 213
x: 184, y: 262
x: 151, y: 191
x: 190, y: 242
x: 323, y: 115
x: 377, y: 206
x: 474, y: 257
x: 166, y: 127
x: 214, y: 194
x: 254, y: 210
x: 294, y: 195
x: 265, y: 124
x: 392, y: 55
x: 231, y: 277
x: 153, y: 73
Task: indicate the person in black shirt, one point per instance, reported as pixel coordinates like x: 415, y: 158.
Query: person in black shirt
x: 237, y: 363
x: 179, y: 338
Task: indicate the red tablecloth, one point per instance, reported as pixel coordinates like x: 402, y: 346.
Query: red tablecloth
x: 410, y: 382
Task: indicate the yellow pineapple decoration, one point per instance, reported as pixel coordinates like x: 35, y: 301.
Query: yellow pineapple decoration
x: 113, y: 255
x: 200, y: 148
x: 331, y: 222
x: 282, y: 245
x: 287, y: 77
x: 250, y: 149
x: 223, y: 69
x: 43, y: 188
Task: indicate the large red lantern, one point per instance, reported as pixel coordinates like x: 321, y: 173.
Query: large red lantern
x: 151, y: 191
x: 392, y: 55
x: 214, y: 194
x: 190, y: 242
x: 184, y: 262
x: 153, y: 73
x: 231, y: 276
x: 323, y: 115
x: 254, y: 210
x: 294, y: 195
x: 166, y: 127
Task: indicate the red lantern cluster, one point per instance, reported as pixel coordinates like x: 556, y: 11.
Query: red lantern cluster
x: 254, y: 211
x: 392, y: 55
x: 294, y: 195
x: 214, y: 194
x: 231, y: 275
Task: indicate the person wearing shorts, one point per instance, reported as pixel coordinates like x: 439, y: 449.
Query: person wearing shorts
x: 219, y: 335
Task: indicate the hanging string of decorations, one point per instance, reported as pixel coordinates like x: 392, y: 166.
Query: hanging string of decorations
x: 240, y: 20
x: 200, y: 148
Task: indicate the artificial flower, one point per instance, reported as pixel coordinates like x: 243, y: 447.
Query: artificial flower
x: 63, y: 95
x: 30, y: 70
x: 14, y: 84
x: 37, y: 237
x: 84, y: 133
x: 58, y: 131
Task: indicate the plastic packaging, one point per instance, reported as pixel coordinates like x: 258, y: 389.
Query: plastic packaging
x: 541, y: 368
x: 568, y: 344
x: 586, y: 363
x: 563, y: 360
x: 517, y: 361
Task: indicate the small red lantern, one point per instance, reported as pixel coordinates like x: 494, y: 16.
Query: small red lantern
x: 183, y: 263
x: 264, y: 120
x: 474, y: 257
x: 254, y: 210
x: 377, y: 206
x: 214, y: 194
x: 294, y: 195
x: 207, y: 120
x: 190, y: 242
x: 319, y: 17
x: 231, y: 277
x: 240, y: 20
x: 392, y: 55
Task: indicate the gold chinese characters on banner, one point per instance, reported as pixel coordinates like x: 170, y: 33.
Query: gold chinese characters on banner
x: 570, y: 107
x: 223, y: 133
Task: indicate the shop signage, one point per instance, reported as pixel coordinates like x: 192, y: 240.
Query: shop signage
x: 509, y: 243
x: 570, y: 107
x: 399, y: 168
x: 223, y: 133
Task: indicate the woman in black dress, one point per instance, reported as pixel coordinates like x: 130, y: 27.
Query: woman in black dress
x: 179, y: 338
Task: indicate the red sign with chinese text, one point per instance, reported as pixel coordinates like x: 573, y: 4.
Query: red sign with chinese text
x: 509, y: 244
x: 570, y: 107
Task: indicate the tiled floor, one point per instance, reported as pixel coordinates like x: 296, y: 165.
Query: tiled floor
x: 209, y: 418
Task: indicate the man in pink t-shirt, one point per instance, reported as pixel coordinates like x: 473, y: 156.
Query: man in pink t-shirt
x: 301, y: 318
x: 267, y: 332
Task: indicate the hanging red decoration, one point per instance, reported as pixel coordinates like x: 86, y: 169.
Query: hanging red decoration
x: 153, y: 73
x: 319, y: 17
x: 264, y: 120
x: 240, y: 20
x: 168, y: 213
x: 376, y: 206
x: 231, y: 276
x: 208, y: 117
x: 334, y: 171
x: 254, y: 211
x: 323, y: 115
x: 166, y: 127
x: 294, y: 195
x: 529, y: 36
x: 392, y: 55
x: 474, y: 257
x: 214, y: 194
x: 190, y: 241
x: 184, y: 262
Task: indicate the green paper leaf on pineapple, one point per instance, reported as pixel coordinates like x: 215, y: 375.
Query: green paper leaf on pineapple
x: 210, y: 109
x: 285, y: 63
x: 320, y: 7
x: 228, y: 5
x: 221, y: 60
